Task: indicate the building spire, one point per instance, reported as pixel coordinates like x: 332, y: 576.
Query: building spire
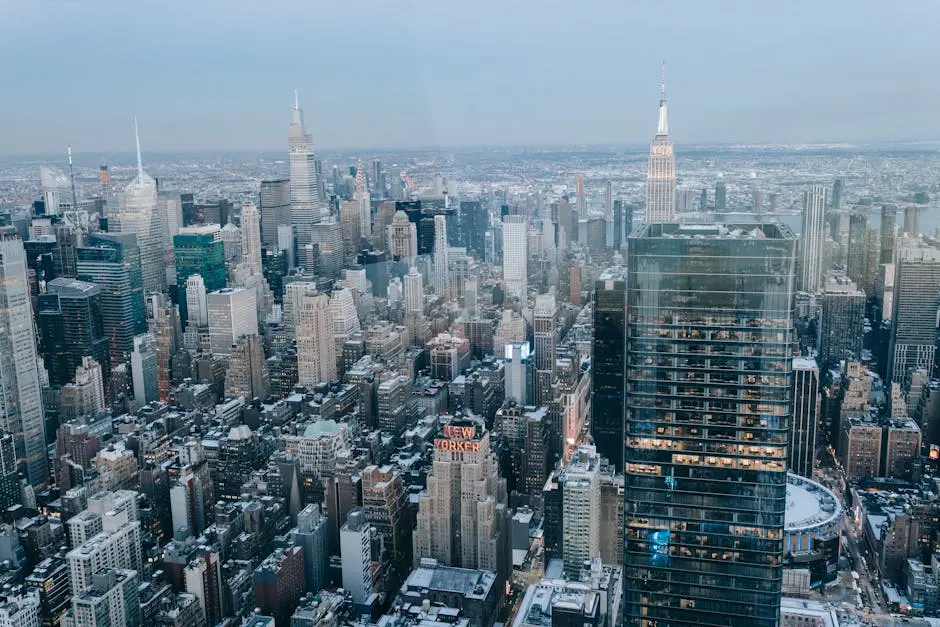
x: 296, y: 100
x: 663, y: 127
x: 140, y: 162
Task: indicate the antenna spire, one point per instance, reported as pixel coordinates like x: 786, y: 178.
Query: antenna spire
x: 663, y: 126
x: 140, y: 162
x: 72, y: 177
x: 296, y: 100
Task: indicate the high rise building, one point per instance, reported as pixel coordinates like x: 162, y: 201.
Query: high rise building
x: 721, y: 197
x: 518, y: 376
x: 232, y: 313
x: 661, y: 174
x: 441, y: 270
x: 21, y: 409
x: 144, y: 369
x: 352, y: 237
x: 274, y: 205
x: 403, y: 237
x: 316, y: 355
x: 856, y: 260
x: 304, y: 186
x: 71, y: 328
x: 837, y: 186
x: 545, y: 339
x: 137, y: 213
x: 474, y: 223
x: 279, y: 583
x: 813, y: 238
x: 707, y: 303
x: 805, y: 416
x: 247, y: 373
x: 912, y: 220
x: 889, y: 236
x: 312, y: 535
x: 581, y: 509
x: 414, y: 292
x: 355, y: 542
x: 608, y: 365
x: 327, y: 237
x: 364, y: 202
x: 914, y: 323
x: 199, y: 250
x: 515, y: 257
x: 110, y: 599
x: 462, y: 515
x: 112, y: 262
x: 9, y: 477
x: 841, y: 324
x: 251, y: 239
x: 196, y: 306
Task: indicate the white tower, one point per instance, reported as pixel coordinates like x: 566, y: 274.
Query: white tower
x: 441, y: 272
x: 196, y: 307
x: 316, y: 358
x: 304, y: 184
x: 515, y: 256
x: 813, y: 238
x: 251, y: 238
x: 414, y: 292
x: 661, y: 176
x: 232, y: 312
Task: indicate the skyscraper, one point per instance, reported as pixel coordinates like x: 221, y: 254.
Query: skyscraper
x: 403, y: 237
x: 805, y: 416
x: 889, y: 238
x: 274, y: 205
x: 661, y: 174
x: 137, y: 213
x: 914, y: 323
x: 515, y: 257
x: 69, y: 316
x: 545, y: 337
x: 856, y: 259
x: 813, y: 238
x: 364, y: 201
x: 112, y: 262
x: 198, y: 250
x: 707, y: 304
x: 316, y: 355
x: 251, y: 239
x: 232, y: 313
x: 196, y: 305
x: 441, y: 271
x: 21, y: 412
x: 581, y: 510
x: 841, y: 323
x: 247, y: 373
x: 144, y: 369
x: 462, y: 515
x: 608, y: 365
x: 304, y: 188
x: 721, y: 197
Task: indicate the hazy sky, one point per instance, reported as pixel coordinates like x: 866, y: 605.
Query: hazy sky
x: 220, y: 74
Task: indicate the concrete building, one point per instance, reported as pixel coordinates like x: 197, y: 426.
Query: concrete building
x: 515, y: 257
x: 805, y: 416
x: 813, y: 238
x: 475, y: 593
x: 279, y: 583
x: 312, y: 535
x: 841, y: 326
x: 316, y: 353
x: 232, y: 313
x: 109, y: 601
x: 247, y: 373
x: 581, y: 509
x: 355, y: 541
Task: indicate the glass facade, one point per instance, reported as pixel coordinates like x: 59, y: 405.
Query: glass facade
x: 708, y: 406
x: 202, y: 254
x: 608, y: 366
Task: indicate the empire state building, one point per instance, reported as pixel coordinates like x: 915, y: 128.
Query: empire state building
x: 661, y: 176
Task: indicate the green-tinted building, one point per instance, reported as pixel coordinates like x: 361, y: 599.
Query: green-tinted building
x: 112, y: 262
x: 198, y: 250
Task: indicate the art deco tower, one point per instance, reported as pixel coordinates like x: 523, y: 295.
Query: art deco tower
x: 661, y: 176
x: 364, y: 202
x: 304, y: 187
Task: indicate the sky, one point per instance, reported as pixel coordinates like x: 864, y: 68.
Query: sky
x: 220, y: 74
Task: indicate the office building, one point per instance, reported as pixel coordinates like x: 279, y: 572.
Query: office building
x: 274, y: 205
x: 312, y: 535
x: 912, y: 220
x: 661, y: 173
x: 581, y: 509
x: 545, y: 339
x: 441, y: 269
x: 232, y: 313
x: 462, y: 515
x: 21, y: 405
x: 197, y: 307
x: 355, y: 540
x: 247, y: 372
x: 914, y: 321
x: 805, y: 416
x: 110, y: 600
x: 734, y: 330
x: 721, y: 197
x: 902, y: 447
x: 608, y: 362
x: 137, y: 213
x: 856, y: 259
x: 860, y: 448
x: 813, y: 238
x: 279, y: 583
x: 515, y: 257
x: 402, y: 237
x: 144, y: 369
x: 112, y: 262
x: 316, y: 354
x: 518, y: 374
x: 841, y: 325
x: 889, y: 235
x: 71, y: 328
x: 305, y: 198
x: 364, y: 202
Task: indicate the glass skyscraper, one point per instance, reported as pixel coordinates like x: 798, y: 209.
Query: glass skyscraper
x: 198, y: 250
x: 708, y: 406
x: 608, y: 365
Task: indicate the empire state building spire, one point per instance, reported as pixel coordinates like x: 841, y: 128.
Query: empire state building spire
x: 663, y: 127
x: 661, y: 176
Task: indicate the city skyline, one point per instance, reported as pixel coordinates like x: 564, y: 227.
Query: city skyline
x: 467, y: 94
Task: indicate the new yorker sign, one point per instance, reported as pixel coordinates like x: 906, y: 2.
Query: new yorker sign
x: 458, y: 439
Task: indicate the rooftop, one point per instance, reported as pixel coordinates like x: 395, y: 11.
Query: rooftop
x: 809, y: 504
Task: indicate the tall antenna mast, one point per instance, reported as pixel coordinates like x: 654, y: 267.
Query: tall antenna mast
x: 72, y: 176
